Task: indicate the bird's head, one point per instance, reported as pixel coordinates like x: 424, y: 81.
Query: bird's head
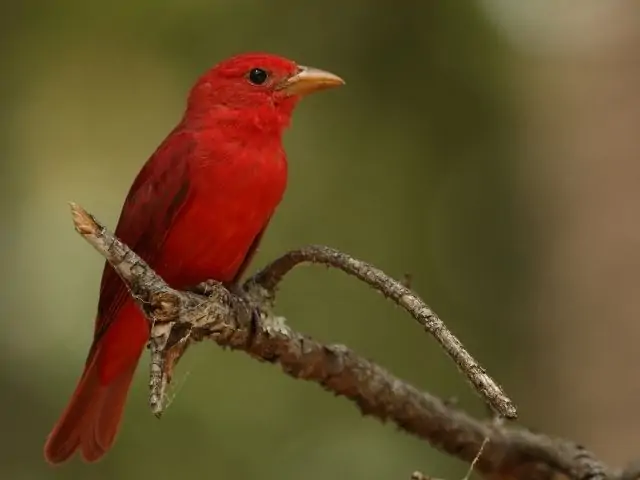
x: 259, y: 87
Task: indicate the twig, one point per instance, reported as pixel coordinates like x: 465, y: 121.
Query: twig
x: 490, y: 391
x: 497, y: 421
x: 226, y: 319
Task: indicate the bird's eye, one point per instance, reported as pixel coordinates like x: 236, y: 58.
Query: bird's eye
x: 258, y: 76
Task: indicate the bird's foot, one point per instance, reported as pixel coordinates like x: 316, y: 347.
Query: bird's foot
x: 206, y: 288
x: 236, y: 289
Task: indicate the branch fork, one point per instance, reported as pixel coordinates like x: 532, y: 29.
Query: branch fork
x: 244, y: 320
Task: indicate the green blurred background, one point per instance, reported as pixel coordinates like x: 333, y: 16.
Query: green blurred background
x: 486, y: 147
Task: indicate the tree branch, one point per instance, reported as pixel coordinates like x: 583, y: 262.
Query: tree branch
x: 246, y: 322
x: 489, y: 390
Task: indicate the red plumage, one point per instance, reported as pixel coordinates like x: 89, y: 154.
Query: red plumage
x: 196, y: 211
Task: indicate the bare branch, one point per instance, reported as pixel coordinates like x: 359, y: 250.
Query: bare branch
x: 179, y: 318
x: 488, y: 389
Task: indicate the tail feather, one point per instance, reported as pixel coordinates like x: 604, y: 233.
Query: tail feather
x: 66, y: 436
x: 90, y: 448
x: 92, y: 419
x: 107, y: 422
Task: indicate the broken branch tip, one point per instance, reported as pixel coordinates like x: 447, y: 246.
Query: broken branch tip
x: 82, y: 221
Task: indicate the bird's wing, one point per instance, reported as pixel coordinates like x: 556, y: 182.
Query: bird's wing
x: 156, y: 197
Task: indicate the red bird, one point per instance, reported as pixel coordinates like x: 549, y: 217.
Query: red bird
x: 196, y: 211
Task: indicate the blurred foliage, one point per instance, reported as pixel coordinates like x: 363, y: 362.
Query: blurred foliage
x: 408, y: 167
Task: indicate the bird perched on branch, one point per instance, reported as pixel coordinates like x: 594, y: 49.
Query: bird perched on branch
x: 196, y: 211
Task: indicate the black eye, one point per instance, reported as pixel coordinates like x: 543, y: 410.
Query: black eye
x: 258, y: 76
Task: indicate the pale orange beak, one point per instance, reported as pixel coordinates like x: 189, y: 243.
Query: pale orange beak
x: 309, y: 80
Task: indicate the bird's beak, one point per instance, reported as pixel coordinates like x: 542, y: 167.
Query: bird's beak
x: 308, y: 80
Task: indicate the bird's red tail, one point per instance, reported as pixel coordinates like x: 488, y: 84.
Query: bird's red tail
x: 92, y: 418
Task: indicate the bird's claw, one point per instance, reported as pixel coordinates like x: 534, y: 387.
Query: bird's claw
x: 237, y: 289
x: 206, y: 287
